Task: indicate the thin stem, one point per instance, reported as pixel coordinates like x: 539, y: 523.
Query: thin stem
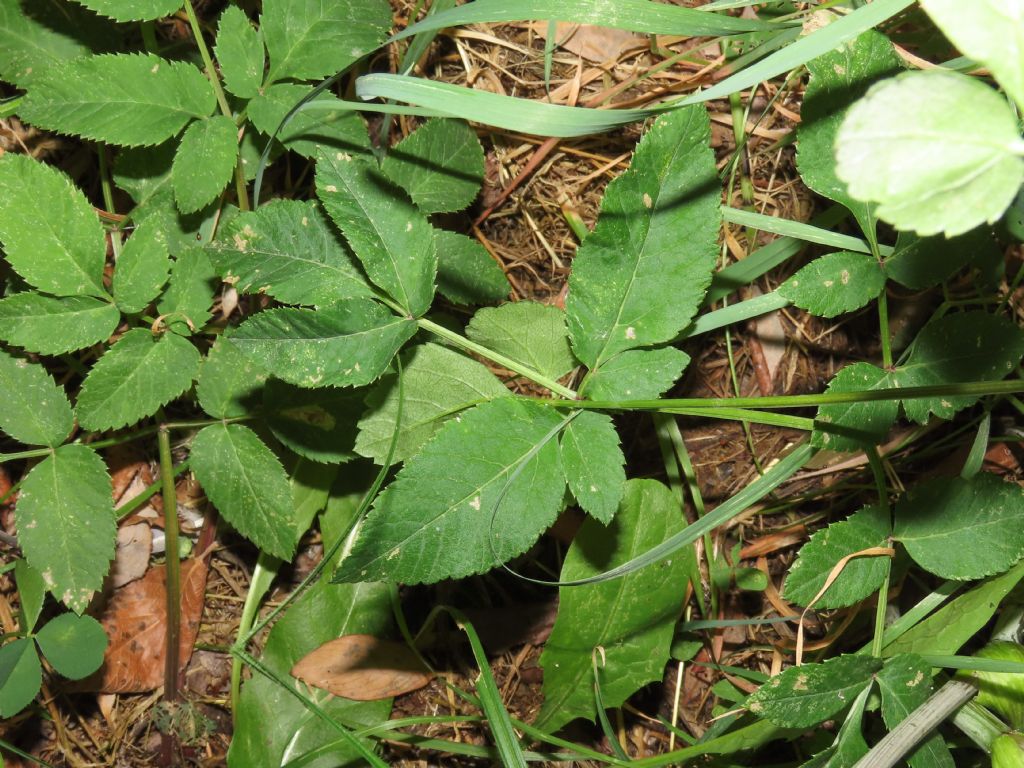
x: 883, y: 327
x: 878, y: 470
x: 173, y: 566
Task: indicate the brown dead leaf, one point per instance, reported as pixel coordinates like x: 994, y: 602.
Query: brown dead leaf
x: 362, y: 667
x: 598, y: 44
x: 134, y: 546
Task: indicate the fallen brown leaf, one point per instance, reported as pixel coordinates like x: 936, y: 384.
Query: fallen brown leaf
x: 598, y: 44
x: 362, y: 667
x: 134, y: 546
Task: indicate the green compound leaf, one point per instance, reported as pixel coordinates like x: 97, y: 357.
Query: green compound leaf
x: 838, y: 79
x: 204, y: 162
x: 631, y: 619
x: 66, y: 523
x: 20, y: 676
x: 639, y: 277
x: 802, y: 697
x: 185, y: 305
x: 309, y: 39
x: 437, y: 519
x: 142, y: 269
x: 923, y: 262
x: 248, y: 485
x: 593, y: 463
x: 145, y: 173
x: 347, y: 345
x: 61, y: 252
x: 52, y: 326
x: 905, y: 683
x: 239, y: 51
x: 312, y: 128
x: 73, y: 644
x: 962, y: 529
x: 529, y: 333
x: 990, y: 32
x: 34, y: 410
x: 134, y: 378
x: 638, y: 374
x: 440, y: 165
x: 835, y: 283
x: 466, y: 273
x: 319, y: 424
x: 438, y: 383
x: 31, y: 593
x: 288, y: 250
x: 133, y: 10
x: 230, y: 384
x: 861, y: 577
x: 125, y: 99
x: 938, y: 151
x: 848, y: 426
x: 392, y: 239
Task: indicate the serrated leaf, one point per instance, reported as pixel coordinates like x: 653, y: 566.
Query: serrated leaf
x: 204, y: 162
x: 593, y: 463
x: 835, y: 283
x: 528, y: 332
x: 20, y: 676
x: 802, y: 697
x: 962, y: 529
x: 466, y: 273
x: 308, y: 39
x: 905, y: 683
x: 849, y: 426
x: 862, y: 576
x: 838, y: 79
x: 230, y: 384
x: 345, y: 345
x: 248, y: 485
x: 437, y: 519
x: 126, y: 99
x: 239, y: 52
x: 145, y: 172
x: 288, y: 250
x: 50, y: 233
x: 34, y: 410
x: 938, y: 151
x: 73, y: 644
x: 142, y: 269
x: 133, y: 10
x: 31, y: 593
x: 639, y: 277
x: 66, y: 523
x: 438, y: 383
x: 638, y: 374
x: 923, y: 262
x: 52, y: 326
x: 318, y: 424
x: 628, y: 622
x: 185, y: 305
x: 440, y: 165
x: 391, y: 238
x: 134, y: 378
x: 309, y: 130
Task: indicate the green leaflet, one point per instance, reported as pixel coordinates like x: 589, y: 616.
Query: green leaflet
x: 851, y: 425
x: 52, y: 326
x: 308, y: 39
x: 637, y: 374
x: 134, y: 378
x: 936, y: 150
x: 62, y: 252
x: 31, y: 592
x: 639, y: 277
x: 133, y: 10
x: 466, y: 273
x: 868, y: 527
x: 20, y: 676
x: 125, y: 99
x: 438, y: 383
x: 73, y: 644
x: 440, y: 165
x: 288, y: 250
x: 229, y: 384
x: 391, y: 238
x: 962, y: 529
x: 528, y: 332
x: 239, y: 52
x: 849, y: 746
x: 631, y: 618
x: 319, y: 424
x: 185, y: 305
x: 345, y: 345
x: 835, y: 283
x: 802, y: 697
x: 248, y: 485
x: 593, y: 463
x: 922, y: 262
x: 142, y: 269
x: 340, y: 129
x: 204, y: 162
x: 444, y: 498
x: 66, y: 523
x: 34, y: 409
x: 838, y: 79
x: 905, y: 683
x: 145, y: 172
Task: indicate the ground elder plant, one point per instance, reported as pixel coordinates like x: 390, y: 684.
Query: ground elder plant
x: 338, y: 397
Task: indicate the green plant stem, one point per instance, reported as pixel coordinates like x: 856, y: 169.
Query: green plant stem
x: 883, y: 329
x: 878, y: 471
x: 262, y: 577
x: 173, y: 566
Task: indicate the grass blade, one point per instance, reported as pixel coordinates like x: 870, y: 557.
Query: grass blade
x: 798, y: 230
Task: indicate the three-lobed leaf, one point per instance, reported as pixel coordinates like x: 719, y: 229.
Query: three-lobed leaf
x: 34, y: 409
x: 835, y: 283
x: 239, y: 52
x: 204, y: 162
x: 528, y: 332
x: 593, y: 463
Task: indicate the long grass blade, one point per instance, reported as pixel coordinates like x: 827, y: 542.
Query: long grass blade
x: 798, y: 230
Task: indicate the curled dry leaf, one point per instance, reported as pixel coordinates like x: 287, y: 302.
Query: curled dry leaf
x: 362, y: 667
